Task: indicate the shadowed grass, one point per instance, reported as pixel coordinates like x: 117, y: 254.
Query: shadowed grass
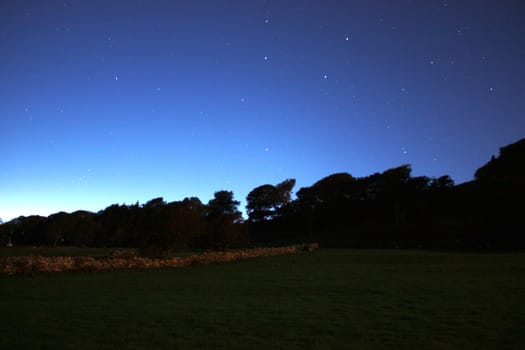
x: 345, y: 299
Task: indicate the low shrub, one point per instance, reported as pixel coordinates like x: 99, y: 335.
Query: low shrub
x: 32, y: 264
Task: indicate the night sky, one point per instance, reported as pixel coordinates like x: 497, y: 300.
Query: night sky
x: 107, y: 102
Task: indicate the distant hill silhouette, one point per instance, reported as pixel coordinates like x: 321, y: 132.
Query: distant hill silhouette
x: 509, y: 164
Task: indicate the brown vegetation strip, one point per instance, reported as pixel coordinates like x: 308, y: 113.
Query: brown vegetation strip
x: 30, y: 264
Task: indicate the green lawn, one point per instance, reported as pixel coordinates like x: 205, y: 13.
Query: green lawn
x: 329, y: 299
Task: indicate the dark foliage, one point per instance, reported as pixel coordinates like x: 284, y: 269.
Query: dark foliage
x: 155, y: 227
x: 388, y: 209
x: 224, y: 220
x: 394, y: 209
x: 267, y: 201
x: 509, y: 164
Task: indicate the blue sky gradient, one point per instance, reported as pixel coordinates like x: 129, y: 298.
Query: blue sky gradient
x: 121, y: 101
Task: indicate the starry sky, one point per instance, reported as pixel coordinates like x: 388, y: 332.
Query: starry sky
x: 107, y: 102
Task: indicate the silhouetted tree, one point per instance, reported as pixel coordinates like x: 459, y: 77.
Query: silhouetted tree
x: 115, y: 226
x: 284, y: 193
x: 224, y: 204
x: 266, y: 201
x: 157, y: 232
x: 188, y: 224
x: 154, y: 203
x: 195, y: 204
x: 28, y: 230
x: 83, y: 228
x: 5, y: 236
x: 419, y: 184
x: 441, y: 182
x: 335, y: 187
x: 77, y: 229
x: 510, y: 163
x: 394, y: 186
x: 225, y: 227
x: 260, y: 203
x: 383, y: 209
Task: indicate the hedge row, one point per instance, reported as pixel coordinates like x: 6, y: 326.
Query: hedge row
x: 31, y: 264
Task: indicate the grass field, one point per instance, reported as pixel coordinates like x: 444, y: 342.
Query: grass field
x: 329, y: 299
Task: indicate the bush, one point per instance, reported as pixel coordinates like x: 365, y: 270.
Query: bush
x: 32, y: 264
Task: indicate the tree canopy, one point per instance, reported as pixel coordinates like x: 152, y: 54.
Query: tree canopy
x: 388, y: 208
x: 224, y: 204
x: 266, y: 201
x: 510, y: 163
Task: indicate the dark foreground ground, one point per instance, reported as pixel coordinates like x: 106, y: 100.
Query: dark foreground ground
x: 329, y: 299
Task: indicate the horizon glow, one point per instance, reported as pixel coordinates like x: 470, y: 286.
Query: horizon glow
x: 124, y: 101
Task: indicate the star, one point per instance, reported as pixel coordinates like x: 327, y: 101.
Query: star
x: 347, y: 38
x: 266, y: 58
x: 325, y: 76
x: 116, y: 77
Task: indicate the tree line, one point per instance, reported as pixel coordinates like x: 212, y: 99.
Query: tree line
x: 387, y: 209
x: 155, y: 225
